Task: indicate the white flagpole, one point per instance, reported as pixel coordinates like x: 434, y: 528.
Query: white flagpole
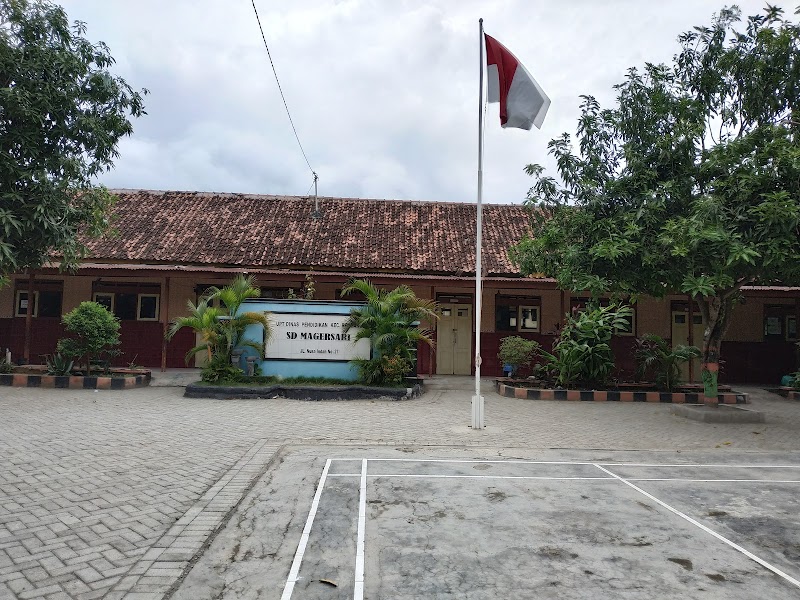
x: 477, y: 399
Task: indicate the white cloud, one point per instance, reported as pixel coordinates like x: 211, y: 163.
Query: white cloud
x: 383, y: 94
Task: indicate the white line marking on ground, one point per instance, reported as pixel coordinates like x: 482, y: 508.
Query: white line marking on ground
x: 715, y: 480
x: 733, y: 545
x: 445, y: 460
x: 712, y: 466
x: 562, y: 462
x: 301, y: 547
x: 422, y: 476
x: 676, y: 479
x: 358, y: 593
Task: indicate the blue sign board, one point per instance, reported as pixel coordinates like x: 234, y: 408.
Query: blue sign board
x: 307, y: 338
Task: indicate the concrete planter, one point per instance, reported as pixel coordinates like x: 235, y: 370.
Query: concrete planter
x: 787, y: 392
x: 345, y: 392
x: 136, y: 378
x: 511, y: 391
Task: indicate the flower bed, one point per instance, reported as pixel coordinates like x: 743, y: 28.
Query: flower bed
x: 638, y: 394
x: 120, y: 379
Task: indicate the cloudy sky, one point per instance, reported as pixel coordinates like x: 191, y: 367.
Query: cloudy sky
x: 384, y: 93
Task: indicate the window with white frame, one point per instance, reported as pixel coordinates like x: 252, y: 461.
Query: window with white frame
x: 528, y: 318
x: 130, y: 303
x: 21, y: 304
x: 104, y: 299
x: 46, y: 303
x: 147, y: 308
x: 517, y: 313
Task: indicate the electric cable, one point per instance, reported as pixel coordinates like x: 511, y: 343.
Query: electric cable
x: 291, y: 122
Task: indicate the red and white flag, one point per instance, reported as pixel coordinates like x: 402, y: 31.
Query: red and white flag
x: 522, y: 101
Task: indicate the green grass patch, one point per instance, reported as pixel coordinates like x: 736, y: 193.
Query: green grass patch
x: 263, y: 380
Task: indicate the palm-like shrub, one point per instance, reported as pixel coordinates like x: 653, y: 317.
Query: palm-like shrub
x: 233, y: 322
x: 391, y: 321
x: 221, y: 329
x: 655, y: 356
x: 204, y: 320
x: 582, y: 355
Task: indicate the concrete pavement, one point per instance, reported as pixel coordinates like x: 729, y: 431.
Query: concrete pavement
x: 111, y: 494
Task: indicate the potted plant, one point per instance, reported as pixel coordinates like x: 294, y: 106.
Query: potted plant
x: 516, y: 352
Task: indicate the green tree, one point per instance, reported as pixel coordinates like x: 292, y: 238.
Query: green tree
x: 390, y: 320
x: 93, y: 331
x: 62, y: 114
x: 691, y: 183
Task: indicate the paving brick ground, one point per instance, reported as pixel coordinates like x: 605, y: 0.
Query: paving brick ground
x: 110, y: 494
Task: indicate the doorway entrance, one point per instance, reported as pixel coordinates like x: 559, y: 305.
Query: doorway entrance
x: 680, y: 335
x: 454, y: 340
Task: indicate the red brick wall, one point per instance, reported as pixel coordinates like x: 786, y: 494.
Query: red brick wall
x: 757, y: 362
x: 45, y: 333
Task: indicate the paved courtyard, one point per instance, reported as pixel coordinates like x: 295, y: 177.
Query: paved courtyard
x: 116, y: 494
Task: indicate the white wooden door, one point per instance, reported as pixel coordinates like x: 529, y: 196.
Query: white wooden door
x: 454, y: 340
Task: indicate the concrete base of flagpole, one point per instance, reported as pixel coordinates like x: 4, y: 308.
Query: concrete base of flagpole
x: 477, y: 412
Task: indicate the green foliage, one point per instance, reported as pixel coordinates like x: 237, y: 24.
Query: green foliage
x: 517, y: 352
x: 582, y: 356
x: 310, y: 287
x: 690, y: 183
x: 93, y: 330
x: 221, y: 329
x: 382, y: 370
x: 314, y: 381
x: 795, y: 377
x: 395, y: 367
x: 62, y: 114
x: 57, y: 364
x: 390, y: 320
x: 6, y: 367
x: 654, y: 356
x: 370, y: 371
x: 219, y: 370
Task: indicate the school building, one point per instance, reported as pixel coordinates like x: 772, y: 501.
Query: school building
x: 169, y: 247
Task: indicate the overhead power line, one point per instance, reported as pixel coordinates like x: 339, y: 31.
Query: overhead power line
x: 291, y: 122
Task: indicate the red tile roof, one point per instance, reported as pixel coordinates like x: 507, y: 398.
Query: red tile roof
x: 353, y: 235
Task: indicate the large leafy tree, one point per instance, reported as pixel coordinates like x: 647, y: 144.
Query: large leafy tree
x: 691, y: 183
x: 62, y: 114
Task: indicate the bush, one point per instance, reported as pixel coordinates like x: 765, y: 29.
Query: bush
x: 654, y: 356
x: 583, y: 355
x: 382, y: 370
x: 795, y: 380
x: 517, y: 352
x: 94, y: 332
x: 220, y: 370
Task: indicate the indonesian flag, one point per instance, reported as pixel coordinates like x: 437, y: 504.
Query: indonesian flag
x: 522, y: 101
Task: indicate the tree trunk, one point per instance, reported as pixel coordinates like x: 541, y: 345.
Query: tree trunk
x: 710, y: 372
x: 716, y: 312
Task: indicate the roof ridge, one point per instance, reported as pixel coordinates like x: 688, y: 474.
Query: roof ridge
x: 247, y: 195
